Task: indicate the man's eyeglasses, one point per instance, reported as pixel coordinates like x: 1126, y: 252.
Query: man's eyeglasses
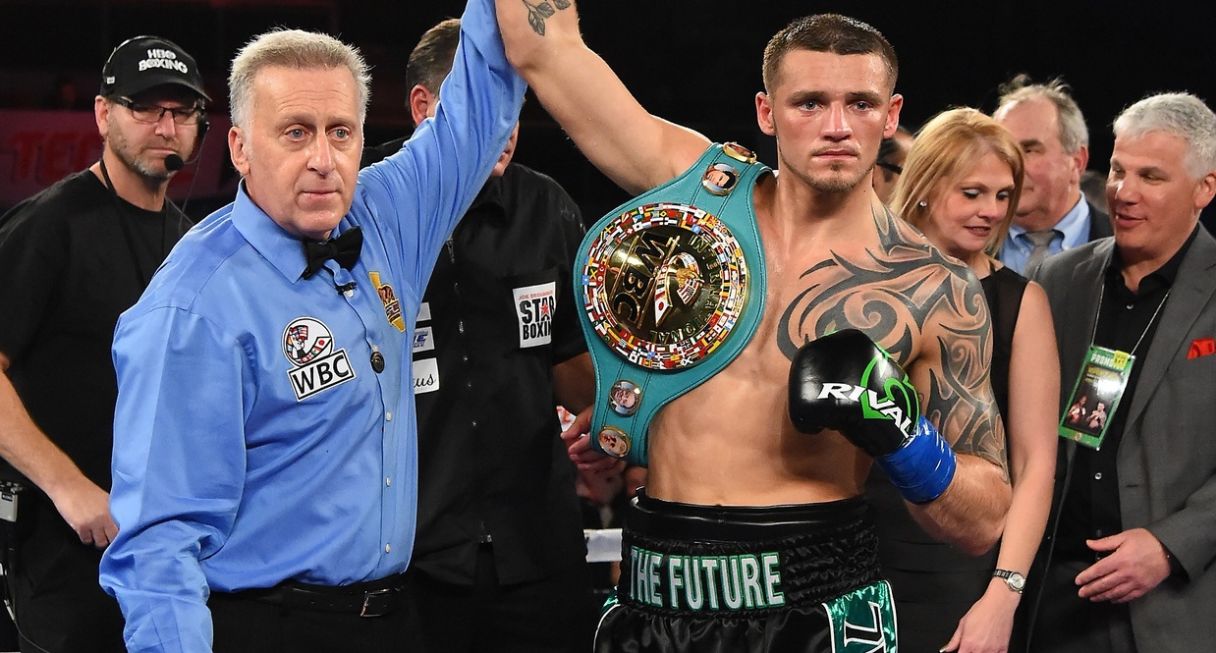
x: 152, y: 113
x: 893, y: 167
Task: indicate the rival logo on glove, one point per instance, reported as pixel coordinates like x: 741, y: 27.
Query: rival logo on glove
x: 872, y: 406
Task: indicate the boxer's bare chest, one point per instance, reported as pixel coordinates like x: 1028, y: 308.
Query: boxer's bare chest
x: 890, y: 284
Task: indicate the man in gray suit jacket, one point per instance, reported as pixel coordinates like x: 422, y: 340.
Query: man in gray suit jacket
x: 1127, y: 563
x: 1046, y: 121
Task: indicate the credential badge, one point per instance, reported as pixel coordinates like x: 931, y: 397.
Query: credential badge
x: 309, y: 345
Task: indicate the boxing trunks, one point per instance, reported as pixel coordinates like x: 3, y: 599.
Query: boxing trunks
x: 672, y: 288
x: 714, y: 579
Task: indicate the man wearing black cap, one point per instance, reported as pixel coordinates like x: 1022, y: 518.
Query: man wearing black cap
x: 75, y: 256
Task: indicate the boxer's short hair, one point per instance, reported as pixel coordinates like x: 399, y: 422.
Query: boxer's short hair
x: 827, y: 33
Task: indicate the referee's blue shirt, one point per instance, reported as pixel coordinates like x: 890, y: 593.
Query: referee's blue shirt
x: 249, y: 451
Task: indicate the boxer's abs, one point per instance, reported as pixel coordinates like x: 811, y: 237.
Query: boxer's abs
x: 730, y: 442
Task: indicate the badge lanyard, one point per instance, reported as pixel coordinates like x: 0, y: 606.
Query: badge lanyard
x: 1098, y: 315
x: 1103, y: 377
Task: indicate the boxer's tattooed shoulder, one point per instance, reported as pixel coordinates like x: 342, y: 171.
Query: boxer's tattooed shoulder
x: 539, y: 12
x: 922, y: 308
x: 960, y: 400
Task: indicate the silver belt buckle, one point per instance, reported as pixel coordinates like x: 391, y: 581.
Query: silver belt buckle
x: 373, y: 606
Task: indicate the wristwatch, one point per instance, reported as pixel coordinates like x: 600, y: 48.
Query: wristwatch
x: 1013, y: 579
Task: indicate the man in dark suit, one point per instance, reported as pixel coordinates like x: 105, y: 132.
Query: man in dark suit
x: 1052, y: 214
x: 1128, y: 562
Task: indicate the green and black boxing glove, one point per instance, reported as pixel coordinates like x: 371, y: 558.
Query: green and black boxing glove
x: 846, y: 383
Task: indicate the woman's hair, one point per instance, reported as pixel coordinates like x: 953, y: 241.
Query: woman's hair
x: 947, y: 148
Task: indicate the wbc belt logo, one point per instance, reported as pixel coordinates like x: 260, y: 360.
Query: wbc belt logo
x: 664, y: 285
x: 309, y: 345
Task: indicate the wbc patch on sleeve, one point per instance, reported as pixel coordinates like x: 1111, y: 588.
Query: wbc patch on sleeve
x: 534, y: 307
x: 316, y: 367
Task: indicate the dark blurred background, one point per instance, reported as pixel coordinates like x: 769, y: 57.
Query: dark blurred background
x: 697, y: 63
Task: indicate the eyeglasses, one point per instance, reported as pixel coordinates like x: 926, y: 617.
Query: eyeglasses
x: 153, y: 113
x: 893, y: 167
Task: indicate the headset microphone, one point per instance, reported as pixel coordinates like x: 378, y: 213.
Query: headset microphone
x: 173, y: 163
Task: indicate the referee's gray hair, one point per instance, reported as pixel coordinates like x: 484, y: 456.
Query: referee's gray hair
x: 1180, y: 114
x: 292, y: 48
x: 1074, y: 134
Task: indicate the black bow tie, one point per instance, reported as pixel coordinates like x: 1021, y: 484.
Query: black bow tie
x: 344, y: 249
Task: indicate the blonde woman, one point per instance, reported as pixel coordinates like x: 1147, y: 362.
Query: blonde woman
x: 960, y: 186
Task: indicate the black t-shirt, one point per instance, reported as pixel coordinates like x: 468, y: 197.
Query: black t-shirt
x: 72, y: 258
x: 497, y: 314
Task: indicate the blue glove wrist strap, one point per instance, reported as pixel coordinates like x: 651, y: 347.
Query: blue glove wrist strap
x: 921, y: 469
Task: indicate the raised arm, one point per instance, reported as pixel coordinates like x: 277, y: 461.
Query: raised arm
x: 953, y: 375
x: 428, y: 185
x: 632, y: 147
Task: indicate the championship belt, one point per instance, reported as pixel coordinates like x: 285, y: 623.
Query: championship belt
x: 672, y: 286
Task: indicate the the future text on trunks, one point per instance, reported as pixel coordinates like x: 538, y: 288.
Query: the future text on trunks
x: 690, y: 582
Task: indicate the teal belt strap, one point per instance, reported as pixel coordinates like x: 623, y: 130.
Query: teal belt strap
x: 672, y: 284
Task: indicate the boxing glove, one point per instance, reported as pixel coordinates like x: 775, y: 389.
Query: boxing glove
x: 846, y: 383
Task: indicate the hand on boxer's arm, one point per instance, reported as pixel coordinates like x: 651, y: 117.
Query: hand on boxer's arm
x: 578, y: 445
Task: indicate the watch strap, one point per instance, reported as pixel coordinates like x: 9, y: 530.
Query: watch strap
x: 1014, y: 580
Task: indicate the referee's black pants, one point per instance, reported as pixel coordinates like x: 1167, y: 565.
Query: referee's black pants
x: 245, y: 622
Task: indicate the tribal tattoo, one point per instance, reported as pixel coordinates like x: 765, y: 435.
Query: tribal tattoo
x: 901, y: 294
x: 541, y: 11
